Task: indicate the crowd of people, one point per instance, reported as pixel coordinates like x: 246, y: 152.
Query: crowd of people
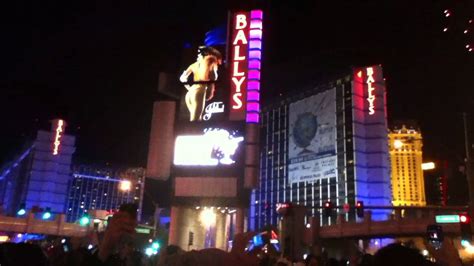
x: 116, y: 248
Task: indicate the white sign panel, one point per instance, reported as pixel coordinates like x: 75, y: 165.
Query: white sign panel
x: 312, y: 143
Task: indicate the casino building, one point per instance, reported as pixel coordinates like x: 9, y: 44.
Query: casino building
x: 328, y: 143
x: 39, y: 176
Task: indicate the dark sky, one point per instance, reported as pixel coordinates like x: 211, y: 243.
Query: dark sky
x: 96, y: 64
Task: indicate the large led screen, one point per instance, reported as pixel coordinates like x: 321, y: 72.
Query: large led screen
x: 204, y: 90
x: 209, y: 150
x: 312, y: 138
x: 214, y: 89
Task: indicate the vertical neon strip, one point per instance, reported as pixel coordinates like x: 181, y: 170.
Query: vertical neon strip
x: 57, y: 138
x: 370, y: 90
x: 254, y: 65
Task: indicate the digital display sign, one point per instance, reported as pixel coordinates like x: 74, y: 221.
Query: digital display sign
x: 220, y: 86
x: 209, y: 149
x: 199, y: 80
x: 215, y: 90
x: 215, y: 146
x: 246, y: 53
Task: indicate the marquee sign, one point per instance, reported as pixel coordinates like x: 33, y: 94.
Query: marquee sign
x: 368, y: 79
x: 245, y: 46
x: 58, y: 135
x: 370, y: 90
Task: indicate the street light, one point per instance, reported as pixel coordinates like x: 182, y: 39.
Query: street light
x: 397, y: 144
x: 125, y: 185
x: 428, y: 166
x: 208, y: 217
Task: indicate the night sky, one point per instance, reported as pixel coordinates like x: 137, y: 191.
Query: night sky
x: 96, y: 64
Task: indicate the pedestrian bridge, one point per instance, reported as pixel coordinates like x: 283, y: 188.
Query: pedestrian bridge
x: 30, y: 225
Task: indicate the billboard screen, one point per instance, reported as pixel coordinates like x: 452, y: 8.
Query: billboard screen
x: 214, y: 89
x: 312, y: 138
x: 209, y: 150
x: 204, y: 93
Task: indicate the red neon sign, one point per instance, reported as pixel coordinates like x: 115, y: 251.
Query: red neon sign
x: 239, y: 65
x: 57, y: 138
x: 370, y: 90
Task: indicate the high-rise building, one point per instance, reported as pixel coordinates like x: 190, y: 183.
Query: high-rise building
x: 39, y: 176
x: 325, y: 144
x: 103, y: 189
x: 436, y: 183
x: 406, y: 156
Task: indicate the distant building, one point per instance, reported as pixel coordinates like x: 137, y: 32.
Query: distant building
x: 40, y: 174
x: 93, y: 188
x: 436, y: 183
x: 405, y: 144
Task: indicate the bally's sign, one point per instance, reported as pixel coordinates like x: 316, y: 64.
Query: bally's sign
x: 245, y: 47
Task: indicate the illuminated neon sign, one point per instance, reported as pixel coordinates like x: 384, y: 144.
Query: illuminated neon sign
x: 370, y: 90
x: 245, y: 47
x: 57, y: 138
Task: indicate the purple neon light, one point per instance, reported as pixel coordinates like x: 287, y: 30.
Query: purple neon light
x: 256, y: 34
x: 255, y: 44
x: 256, y: 14
x: 254, y: 64
x: 253, y: 96
x: 256, y: 24
x: 254, y: 74
x: 253, y: 85
x: 252, y: 118
x: 253, y: 107
x: 255, y: 54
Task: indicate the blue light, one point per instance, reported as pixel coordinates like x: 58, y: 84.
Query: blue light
x: 21, y: 212
x: 149, y: 251
x: 155, y: 245
x: 46, y: 215
x: 465, y: 243
x: 216, y: 36
x: 85, y: 220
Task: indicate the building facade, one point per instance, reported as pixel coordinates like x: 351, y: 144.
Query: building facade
x: 39, y: 176
x: 94, y: 188
x: 406, y: 156
x: 325, y: 144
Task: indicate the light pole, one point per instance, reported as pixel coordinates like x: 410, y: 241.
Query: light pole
x: 468, y: 166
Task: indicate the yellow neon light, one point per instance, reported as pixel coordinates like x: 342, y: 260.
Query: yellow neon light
x: 57, y: 138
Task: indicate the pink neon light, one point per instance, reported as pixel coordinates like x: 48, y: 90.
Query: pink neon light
x: 255, y: 54
x: 253, y: 118
x: 255, y: 44
x: 254, y: 64
x: 254, y: 74
x: 253, y: 107
x: 253, y: 96
x: 256, y: 24
x: 253, y: 85
x: 256, y: 34
x: 256, y: 14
